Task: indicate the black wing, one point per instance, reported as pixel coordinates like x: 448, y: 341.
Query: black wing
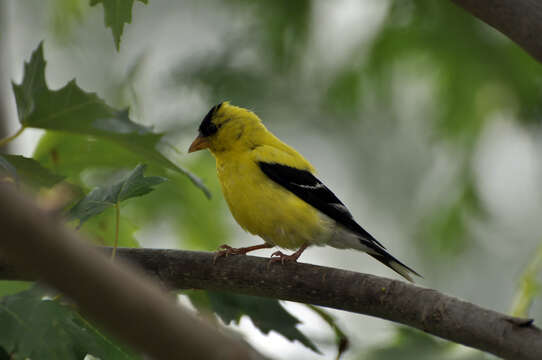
x: 311, y: 190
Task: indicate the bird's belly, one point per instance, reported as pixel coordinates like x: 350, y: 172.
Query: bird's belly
x: 275, y: 214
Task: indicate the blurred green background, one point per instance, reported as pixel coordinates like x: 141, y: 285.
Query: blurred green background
x: 423, y: 120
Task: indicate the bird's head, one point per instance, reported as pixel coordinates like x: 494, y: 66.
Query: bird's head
x: 227, y: 127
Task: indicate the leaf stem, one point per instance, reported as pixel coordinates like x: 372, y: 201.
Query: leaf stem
x: 117, y: 221
x: 340, y: 337
x: 8, y: 139
x: 529, y: 287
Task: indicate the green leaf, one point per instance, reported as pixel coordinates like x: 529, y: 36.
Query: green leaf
x: 72, y: 110
x: 266, y: 314
x: 175, y: 202
x: 341, y: 340
x: 116, y: 14
x: 31, y: 327
x: 63, y: 154
x: 28, y: 170
x: 8, y: 287
x: 101, y: 230
x: 104, y: 197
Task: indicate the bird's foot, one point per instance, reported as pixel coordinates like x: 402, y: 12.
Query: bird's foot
x: 227, y: 251
x: 283, y: 258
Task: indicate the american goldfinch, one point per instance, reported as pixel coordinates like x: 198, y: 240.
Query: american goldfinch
x: 272, y: 191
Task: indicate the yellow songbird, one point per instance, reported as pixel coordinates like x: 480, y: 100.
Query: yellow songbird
x: 272, y: 191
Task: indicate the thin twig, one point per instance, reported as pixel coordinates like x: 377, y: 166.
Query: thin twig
x: 9, y: 139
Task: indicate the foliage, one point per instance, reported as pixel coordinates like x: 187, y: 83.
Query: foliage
x: 72, y: 110
x: 341, y: 339
x: 34, y: 326
x: 266, y: 314
x: 98, y: 200
x: 171, y: 200
x: 28, y: 170
x: 116, y: 14
x: 468, y: 84
x: 12, y: 287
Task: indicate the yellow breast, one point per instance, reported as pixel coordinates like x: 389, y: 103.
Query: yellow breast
x: 266, y: 209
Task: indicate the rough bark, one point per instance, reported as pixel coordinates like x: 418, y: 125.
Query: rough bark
x: 520, y: 20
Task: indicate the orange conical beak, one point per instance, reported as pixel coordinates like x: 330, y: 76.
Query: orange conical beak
x: 199, y: 143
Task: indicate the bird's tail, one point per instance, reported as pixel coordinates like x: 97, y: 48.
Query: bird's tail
x: 387, y: 259
x: 346, y: 239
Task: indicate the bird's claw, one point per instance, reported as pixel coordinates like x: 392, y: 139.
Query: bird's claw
x: 283, y: 258
x: 227, y: 251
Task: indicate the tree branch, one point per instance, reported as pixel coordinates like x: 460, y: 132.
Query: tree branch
x: 119, y: 297
x: 520, y: 20
x: 425, y: 309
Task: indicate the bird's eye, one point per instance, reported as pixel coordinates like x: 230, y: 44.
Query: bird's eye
x: 207, y: 128
x: 212, y: 129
